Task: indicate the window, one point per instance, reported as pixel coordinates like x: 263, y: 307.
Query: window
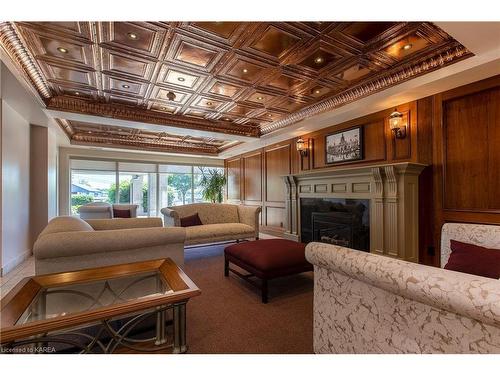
x: 149, y: 185
x: 176, y: 185
x: 90, y: 182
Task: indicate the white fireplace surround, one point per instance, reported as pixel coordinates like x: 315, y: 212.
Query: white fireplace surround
x: 392, y: 190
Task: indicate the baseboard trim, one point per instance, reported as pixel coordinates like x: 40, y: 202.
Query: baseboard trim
x: 6, y: 268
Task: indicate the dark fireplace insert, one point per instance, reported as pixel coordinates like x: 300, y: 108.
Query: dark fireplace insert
x: 337, y: 221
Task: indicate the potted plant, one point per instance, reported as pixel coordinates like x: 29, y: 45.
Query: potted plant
x: 212, y: 183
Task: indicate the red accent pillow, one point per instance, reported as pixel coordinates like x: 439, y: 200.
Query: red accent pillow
x: 125, y: 214
x: 473, y: 259
x: 190, y: 221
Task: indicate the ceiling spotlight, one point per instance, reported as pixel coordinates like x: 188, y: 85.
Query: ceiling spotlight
x: 269, y: 115
x: 319, y: 60
x: 209, y: 103
x: 62, y: 50
x: 406, y: 47
x: 245, y: 70
x: 126, y: 86
x: 77, y: 93
x: 132, y: 36
x: 170, y: 96
x: 181, y: 79
x: 317, y: 91
x: 259, y: 98
x: 227, y: 119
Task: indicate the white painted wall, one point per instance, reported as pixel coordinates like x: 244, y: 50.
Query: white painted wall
x: 52, y: 160
x: 15, y: 188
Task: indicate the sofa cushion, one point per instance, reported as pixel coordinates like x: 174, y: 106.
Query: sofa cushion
x: 473, y: 259
x: 215, y: 232
x: 190, y: 221
x: 66, y: 224
x: 124, y: 214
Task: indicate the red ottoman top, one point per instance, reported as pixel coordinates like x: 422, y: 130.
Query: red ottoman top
x: 266, y: 255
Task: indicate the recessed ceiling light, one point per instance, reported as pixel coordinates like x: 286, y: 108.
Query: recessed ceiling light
x: 132, y: 36
x: 245, y: 70
x: 126, y: 86
x: 62, y: 50
x: 163, y: 108
x: 227, y: 119
x: 90, y: 132
x: 317, y: 91
x: 259, y: 98
x: 319, y: 60
x: 181, y: 79
x: 209, y: 103
x: 406, y: 47
x: 269, y: 115
x: 77, y: 93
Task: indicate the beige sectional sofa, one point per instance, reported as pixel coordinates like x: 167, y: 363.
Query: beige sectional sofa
x: 70, y: 243
x: 221, y: 222
x: 367, y: 303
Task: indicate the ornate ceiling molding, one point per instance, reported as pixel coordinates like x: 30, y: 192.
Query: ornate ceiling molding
x: 447, y: 56
x: 124, y: 112
x: 15, y: 49
x: 89, y: 134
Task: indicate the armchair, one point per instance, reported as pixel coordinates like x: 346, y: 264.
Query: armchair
x: 367, y: 303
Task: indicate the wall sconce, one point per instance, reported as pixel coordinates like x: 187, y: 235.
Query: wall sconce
x: 301, y: 146
x: 396, y: 124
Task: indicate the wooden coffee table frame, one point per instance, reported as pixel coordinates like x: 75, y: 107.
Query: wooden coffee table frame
x: 20, y: 298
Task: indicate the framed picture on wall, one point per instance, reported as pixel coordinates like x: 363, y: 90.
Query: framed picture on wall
x: 344, y: 146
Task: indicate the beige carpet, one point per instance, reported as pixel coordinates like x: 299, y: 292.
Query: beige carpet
x: 228, y: 317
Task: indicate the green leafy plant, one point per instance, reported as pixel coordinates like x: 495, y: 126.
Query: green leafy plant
x: 212, y: 183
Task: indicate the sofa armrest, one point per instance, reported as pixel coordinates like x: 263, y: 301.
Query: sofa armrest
x: 65, y: 244
x: 250, y: 215
x: 471, y: 296
x: 113, y: 224
x: 170, y: 217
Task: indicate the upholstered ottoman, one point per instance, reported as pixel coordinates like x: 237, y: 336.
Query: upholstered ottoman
x: 266, y: 260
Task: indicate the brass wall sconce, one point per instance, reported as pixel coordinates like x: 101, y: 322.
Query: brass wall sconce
x: 396, y: 124
x: 302, y: 147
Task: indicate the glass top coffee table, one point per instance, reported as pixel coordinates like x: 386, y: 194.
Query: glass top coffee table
x: 99, y: 310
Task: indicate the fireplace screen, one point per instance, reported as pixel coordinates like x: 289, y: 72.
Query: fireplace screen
x: 342, y: 222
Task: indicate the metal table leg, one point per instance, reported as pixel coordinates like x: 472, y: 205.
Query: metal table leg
x: 180, y: 328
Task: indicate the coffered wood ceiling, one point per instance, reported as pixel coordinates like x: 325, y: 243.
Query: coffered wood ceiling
x: 235, y: 78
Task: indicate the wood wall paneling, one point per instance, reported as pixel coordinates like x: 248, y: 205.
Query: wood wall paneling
x: 233, y: 173
x: 278, y: 164
x: 252, y: 177
x: 471, y: 144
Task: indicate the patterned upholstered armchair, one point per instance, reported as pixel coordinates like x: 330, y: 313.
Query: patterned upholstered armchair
x: 367, y: 303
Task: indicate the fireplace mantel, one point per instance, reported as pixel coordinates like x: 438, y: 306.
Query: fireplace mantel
x: 392, y: 190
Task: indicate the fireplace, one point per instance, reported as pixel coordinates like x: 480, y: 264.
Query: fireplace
x: 337, y: 221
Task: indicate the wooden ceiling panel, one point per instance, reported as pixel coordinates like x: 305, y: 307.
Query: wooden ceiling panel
x: 126, y: 65
x: 275, y: 41
x: 225, y: 89
x: 140, y: 38
x: 366, y: 31
x: 223, y: 77
x: 181, y: 78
